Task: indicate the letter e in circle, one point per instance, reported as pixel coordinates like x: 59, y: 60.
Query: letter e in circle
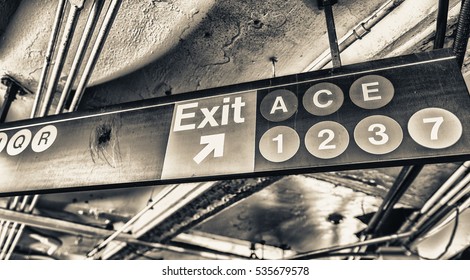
x: 372, y: 92
x: 44, y: 138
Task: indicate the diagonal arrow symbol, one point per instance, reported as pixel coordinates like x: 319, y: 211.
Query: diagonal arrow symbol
x: 214, y: 143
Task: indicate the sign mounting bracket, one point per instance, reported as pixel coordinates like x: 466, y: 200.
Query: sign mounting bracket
x: 14, y: 88
x: 327, y: 5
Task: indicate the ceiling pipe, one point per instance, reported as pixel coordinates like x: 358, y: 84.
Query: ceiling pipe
x: 76, y: 6
x: 21, y: 229
x: 446, y: 186
x: 95, y: 52
x: 387, y: 202
x: 427, y: 223
x: 232, y: 245
x: 367, y: 233
x: 449, y: 199
x: 364, y: 255
x: 409, y: 179
x: 47, y: 58
x: 11, y: 235
x: 129, y: 223
x: 89, y: 231
x: 47, y: 61
x: 5, y: 224
x: 181, y: 196
x: 358, y: 32
x: 411, y: 242
x: 463, y: 193
x: 64, y: 46
x: 80, y: 52
x: 448, y: 219
x: 449, y: 212
x: 441, y: 24
x: 443, y: 209
x: 58, y: 225
x: 324, y: 252
x: 404, y: 180
x: 33, y: 257
x: 14, y: 203
x: 3, y: 234
x: 218, y: 197
x: 463, y: 32
x: 461, y: 171
x: 6, y: 228
x: 207, y: 254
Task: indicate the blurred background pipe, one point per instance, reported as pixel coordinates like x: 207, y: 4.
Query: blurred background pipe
x: 441, y: 24
x: 463, y: 32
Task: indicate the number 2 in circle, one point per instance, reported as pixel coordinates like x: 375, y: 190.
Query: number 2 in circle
x: 325, y: 144
x: 326, y: 139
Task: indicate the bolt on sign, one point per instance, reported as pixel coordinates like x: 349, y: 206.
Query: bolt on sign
x: 405, y: 110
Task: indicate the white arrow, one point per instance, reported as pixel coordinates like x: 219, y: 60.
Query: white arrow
x: 214, y: 143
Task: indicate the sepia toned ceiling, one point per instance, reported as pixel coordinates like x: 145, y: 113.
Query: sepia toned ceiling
x: 162, y: 48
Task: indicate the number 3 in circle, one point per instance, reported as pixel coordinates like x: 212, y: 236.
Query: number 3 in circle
x: 378, y: 134
x: 379, y: 130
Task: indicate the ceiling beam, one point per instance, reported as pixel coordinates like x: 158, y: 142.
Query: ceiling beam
x: 72, y: 228
x: 59, y: 225
x: 233, y: 245
x: 220, y: 196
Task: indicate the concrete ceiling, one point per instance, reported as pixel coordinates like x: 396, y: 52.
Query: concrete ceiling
x: 159, y: 48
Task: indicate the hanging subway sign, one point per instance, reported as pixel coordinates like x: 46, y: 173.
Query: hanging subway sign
x: 405, y: 110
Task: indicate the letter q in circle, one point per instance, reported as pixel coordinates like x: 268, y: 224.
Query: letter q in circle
x: 44, y: 138
x: 19, y: 142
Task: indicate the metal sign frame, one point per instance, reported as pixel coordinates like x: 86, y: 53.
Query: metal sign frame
x: 130, y: 144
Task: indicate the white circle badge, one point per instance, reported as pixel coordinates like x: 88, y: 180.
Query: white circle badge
x: 371, y: 92
x: 327, y: 139
x: 435, y: 128
x: 323, y: 99
x: 19, y: 142
x: 378, y: 134
x: 279, y: 144
x: 279, y: 105
x: 44, y: 138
